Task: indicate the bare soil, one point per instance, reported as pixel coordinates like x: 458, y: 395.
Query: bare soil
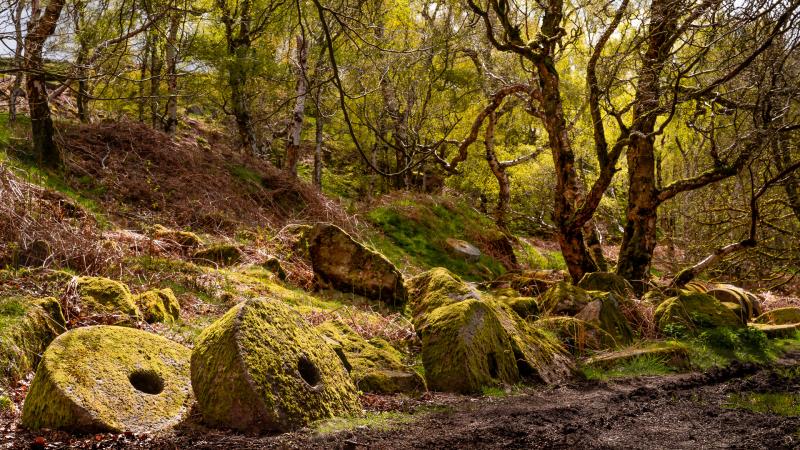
x: 677, y: 411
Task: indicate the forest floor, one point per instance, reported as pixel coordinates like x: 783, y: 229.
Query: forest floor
x: 715, y: 409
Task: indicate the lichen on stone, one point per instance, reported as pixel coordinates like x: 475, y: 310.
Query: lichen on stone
x: 435, y: 288
x: 105, y: 296
x: 109, y: 379
x: 27, y: 326
x: 261, y: 367
x: 374, y: 365
x: 604, y: 313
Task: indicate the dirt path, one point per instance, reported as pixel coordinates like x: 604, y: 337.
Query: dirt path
x: 680, y: 411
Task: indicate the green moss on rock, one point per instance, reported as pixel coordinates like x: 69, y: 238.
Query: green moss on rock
x: 374, y: 365
x: 348, y: 266
x: 751, y: 306
x: 185, y: 239
x: 159, y: 305
x: 261, y: 367
x: 465, y: 347
x: 27, y: 326
x: 538, y: 353
x: 695, y: 312
x: 221, y: 254
x: 525, y: 307
x: 604, y: 314
x: 777, y: 330
x: 433, y: 289
x: 564, y: 299
x: 780, y: 316
x: 606, y: 282
x: 106, y: 296
x: 109, y: 379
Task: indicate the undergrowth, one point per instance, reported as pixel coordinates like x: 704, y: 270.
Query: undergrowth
x: 644, y: 365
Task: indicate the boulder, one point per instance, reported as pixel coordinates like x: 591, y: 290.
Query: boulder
x: 109, y: 379
x: 159, y: 305
x: 27, y: 326
x: 609, y: 328
x: 564, y: 299
x: 780, y: 316
x: 695, y: 311
x: 529, y: 282
x: 185, y: 239
x: 435, y: 288
x: 108, y: 297
x: 220, y: 254
x: 465, y: 347
x: 575, y: 334
x: 273, y: 264
x: 341, y: 262
x: 606, y: 282
x: 374, y: 365
x: 463, y: 249
x: 261, y: 368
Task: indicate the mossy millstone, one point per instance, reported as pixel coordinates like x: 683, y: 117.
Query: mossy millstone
x: 159, y: 305
x: 695, y: 311
x: 374, y: 365
x: 109, y: 379
x: 433, y: 289
x: 465, y: 347
x: 751, y: 307
x: 606, y: 282
x: 348, y: 266
x: 780, y: 316
x: 106, y: 296
x: 564, y: 299
x: 221, y: 254
x: 27, y: 326
x: 261, y: 367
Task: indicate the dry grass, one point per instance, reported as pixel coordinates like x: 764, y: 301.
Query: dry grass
x: 42, y: 228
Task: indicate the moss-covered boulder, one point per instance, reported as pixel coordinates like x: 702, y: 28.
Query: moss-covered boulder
x: 261, y: 367
x: 108, y: 297
x: 159, y: 305
x: 374, y: 365
x: 694, y: 312
x: 185, y: 239
x: 564, y: 299
x: 435, y: 288
x: 750, y: 305
x: 780, y: 316
x: 606, y: 282
x: 274, y: 265
x: 465, y: 347
x: 219, y: 254
x: 109, y: 379
x: 576, y: 335
x: 348, y: 266
x: 27, y: 326
x: 609, y: 327
x: 531, y: 283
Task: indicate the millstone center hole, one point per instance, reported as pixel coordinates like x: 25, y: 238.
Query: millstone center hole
x: 308, y: 371
x: 492, y: 361
x: 146, y: 381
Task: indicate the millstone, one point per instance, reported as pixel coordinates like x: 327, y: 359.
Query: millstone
x: 109, y: 379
